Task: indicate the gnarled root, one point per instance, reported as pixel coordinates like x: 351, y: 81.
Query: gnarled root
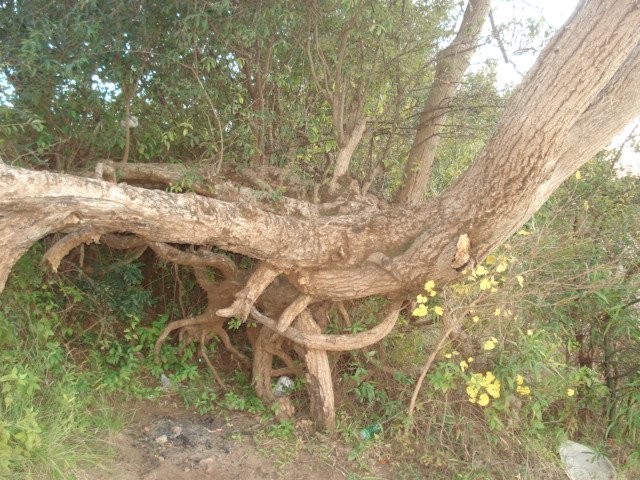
x: 320, y: 383
x: 335, y: 342
x: 245, y: 298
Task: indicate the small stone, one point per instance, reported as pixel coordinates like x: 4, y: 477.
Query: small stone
x: 160, y: 458
x: 165, y: 382
x: 177, y: 430
x: 146, y: 429
x: 162, y: 439
x: 208, y: 462
x: 187, y: 469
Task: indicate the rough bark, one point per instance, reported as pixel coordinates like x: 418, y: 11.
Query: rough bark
x: 531, y: 152
x: 319, y: 377
x: 452, y: 62
x: 346, y: 152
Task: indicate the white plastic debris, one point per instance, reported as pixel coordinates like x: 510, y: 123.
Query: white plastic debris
x: 583, y: 463
x: 132, y: 123
x: 283, y: 387
x: 165, y: 382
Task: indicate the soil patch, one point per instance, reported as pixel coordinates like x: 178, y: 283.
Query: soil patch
x: 165, y: 442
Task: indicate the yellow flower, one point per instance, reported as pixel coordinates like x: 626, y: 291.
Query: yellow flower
x: 489, y: 345
x: 520, y: 280
x: 523, y: 390
x: 578, y: 175
x: 529, y: 332
x: 430, y: 285
x: 485, y: 284
x: 438, y: 310
x: 470, y: 359
x: 472, y: 391
x: 480, y: 270
x: 455, y: 353
x: 421, y: 311
x: 475, y: 319
x: 489, y: 377
x: 570, y: 392
x: 447, y: 355
x: 497, y: 312
x: 433, y: 293
x: 519, y: 379
x: 523, y: 232
x: 421, y: 299
x: 501, y: 267
x: 483, y: 401
x: 494, y: 389
x: 463, y: 365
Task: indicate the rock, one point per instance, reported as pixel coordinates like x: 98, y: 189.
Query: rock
x: 583, y: 463
x: 162, y: 439
x: 177, y: 430
x: 208, y: 463
x: 165, y: 382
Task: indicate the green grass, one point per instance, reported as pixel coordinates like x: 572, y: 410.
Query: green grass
x: 51, y: 418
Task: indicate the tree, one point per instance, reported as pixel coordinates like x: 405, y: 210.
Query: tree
x: 452, y: 63
x: 583, y: 89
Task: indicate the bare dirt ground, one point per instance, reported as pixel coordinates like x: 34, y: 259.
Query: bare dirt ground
x: 165, y: 442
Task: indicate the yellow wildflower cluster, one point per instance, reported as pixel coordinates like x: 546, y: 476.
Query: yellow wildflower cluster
x: 422, y: 309
x: 482, y: 387
x: 488, y: 276
x: 490, y: 344
x: 521, y: 388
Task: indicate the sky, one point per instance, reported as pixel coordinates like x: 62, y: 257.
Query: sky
x: 552, y: 14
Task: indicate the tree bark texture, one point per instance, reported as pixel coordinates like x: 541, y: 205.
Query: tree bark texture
x: 585, y: 85
x: 452, y: 62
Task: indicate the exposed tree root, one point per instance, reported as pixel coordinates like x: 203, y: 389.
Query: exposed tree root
x: 310, y: 344
x: 259, y: 281
x: 292, y: 311
x: 336, y: 342
x: 201, y: 328
x: 62, y: 247
x: 320, y: 383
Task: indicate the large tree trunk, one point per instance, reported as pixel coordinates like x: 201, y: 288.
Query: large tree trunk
x: 584, y: 88
x: 453, y: 61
